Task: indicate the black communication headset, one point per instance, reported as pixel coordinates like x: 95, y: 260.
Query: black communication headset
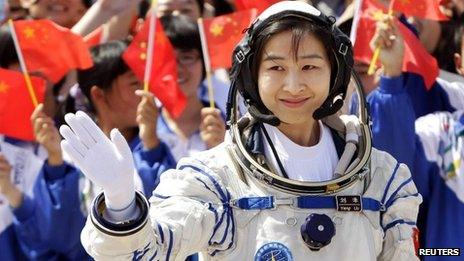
x: 244, y: 55
x: 242, y: 81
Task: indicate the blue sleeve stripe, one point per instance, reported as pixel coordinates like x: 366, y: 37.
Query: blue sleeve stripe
x: 168, y: 254
x: 216, y: 227
x: 405, y: 196
x: 218, y: 188
x: 226, y: 231
x: 396, y: 222
x: 389, y: 183
x: 160, y: 229
x: 206, y: 186
x: 231, y: 214
x: 160, y: 196
x: 224, y: 196
x: 231, y: 217
x: 137, y: 255
x: 392, y: 197
x: 154, y: 255
x: 213, y: 209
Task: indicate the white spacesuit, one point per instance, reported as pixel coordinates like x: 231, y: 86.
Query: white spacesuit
x: 231, y: 203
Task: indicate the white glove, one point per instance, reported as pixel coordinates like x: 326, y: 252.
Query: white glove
x: 107, y: 163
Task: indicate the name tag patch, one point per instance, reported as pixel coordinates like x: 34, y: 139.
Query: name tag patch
x: 348, y: 203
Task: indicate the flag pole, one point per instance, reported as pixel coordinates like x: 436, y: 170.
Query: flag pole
x: 375, y: 57
x: 204, y: 48
x: 27, y: 78
x: 150, y: 43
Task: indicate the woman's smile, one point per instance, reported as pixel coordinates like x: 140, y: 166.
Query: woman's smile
x: 294, y: 102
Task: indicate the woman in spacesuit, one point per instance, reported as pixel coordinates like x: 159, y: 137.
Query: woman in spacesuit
x: 292, y: 181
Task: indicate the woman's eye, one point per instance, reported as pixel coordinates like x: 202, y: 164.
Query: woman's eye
x: 276, y: 68
x: 308, y: 67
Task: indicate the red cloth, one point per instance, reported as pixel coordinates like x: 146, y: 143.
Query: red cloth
x: 416, y: 58
x: 16, y: 104
x: 261, y: 5
x: 427, y: 9
x: 223, y: 33
x: 95, y: 37
x: 163, y: 77
x: 51, y: 49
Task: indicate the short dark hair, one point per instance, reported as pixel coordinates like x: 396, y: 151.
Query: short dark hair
x: 87, y: 3
x: 200, y: 4
x: 107, y: 66
x: 8, y: 54
x: 183, y: 33
x: 298, y: 27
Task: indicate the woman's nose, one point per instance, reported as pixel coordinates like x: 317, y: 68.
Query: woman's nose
x: 293, y: 83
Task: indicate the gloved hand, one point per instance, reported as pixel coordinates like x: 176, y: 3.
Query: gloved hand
x: 107, y: 163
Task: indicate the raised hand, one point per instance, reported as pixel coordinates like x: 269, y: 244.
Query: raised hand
x: 388, y: 37
x: 107, y: 163
x: 147, y: 115
x: 46, y: 134
x: 7, y: 188
x: 212, y: 127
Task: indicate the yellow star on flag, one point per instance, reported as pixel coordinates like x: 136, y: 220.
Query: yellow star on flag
x: 3, y: 87
x: 143, y: 56
x: 143, y: 45
x: 29, y: 32
x: 378, y: 15
x: 216, y: 29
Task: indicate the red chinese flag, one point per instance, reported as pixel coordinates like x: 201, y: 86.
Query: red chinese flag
x: 416, y: 58
x: 223, y: 33
x: 95, y: 37
x: 261, y: 5
x: 163, y: 76
x: 16, y: 104
x: 427, y: 9
x: 51, y: 49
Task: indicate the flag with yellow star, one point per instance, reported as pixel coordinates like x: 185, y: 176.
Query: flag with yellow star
x: 223, y: 33
x: 415, y: 54
x: 51, y: 49
x: 163, y: 77
x: 427, y: 9
x: 16, y: 105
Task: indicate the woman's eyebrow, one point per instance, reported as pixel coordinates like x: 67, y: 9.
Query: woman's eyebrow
x: 311, y: 56
x: 271, y: 57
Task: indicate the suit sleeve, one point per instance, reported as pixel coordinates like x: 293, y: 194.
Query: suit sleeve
x: 189, y: 213
x: 60, y: 218
x: 393, y: 119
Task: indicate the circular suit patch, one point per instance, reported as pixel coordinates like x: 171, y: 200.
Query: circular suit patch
x: 273, y: 251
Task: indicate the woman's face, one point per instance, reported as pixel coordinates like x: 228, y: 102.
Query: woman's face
x: 189, y: 70
x: 63, y: 12
x: 189, y: 8
x: 122, y: 101
x: 293, y: 89
x: 429, y: 32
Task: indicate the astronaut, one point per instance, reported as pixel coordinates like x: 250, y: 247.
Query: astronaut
x: 292, y: 180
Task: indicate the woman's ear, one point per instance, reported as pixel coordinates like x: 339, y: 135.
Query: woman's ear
x: 458, y: 64
x: 97, y: 97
